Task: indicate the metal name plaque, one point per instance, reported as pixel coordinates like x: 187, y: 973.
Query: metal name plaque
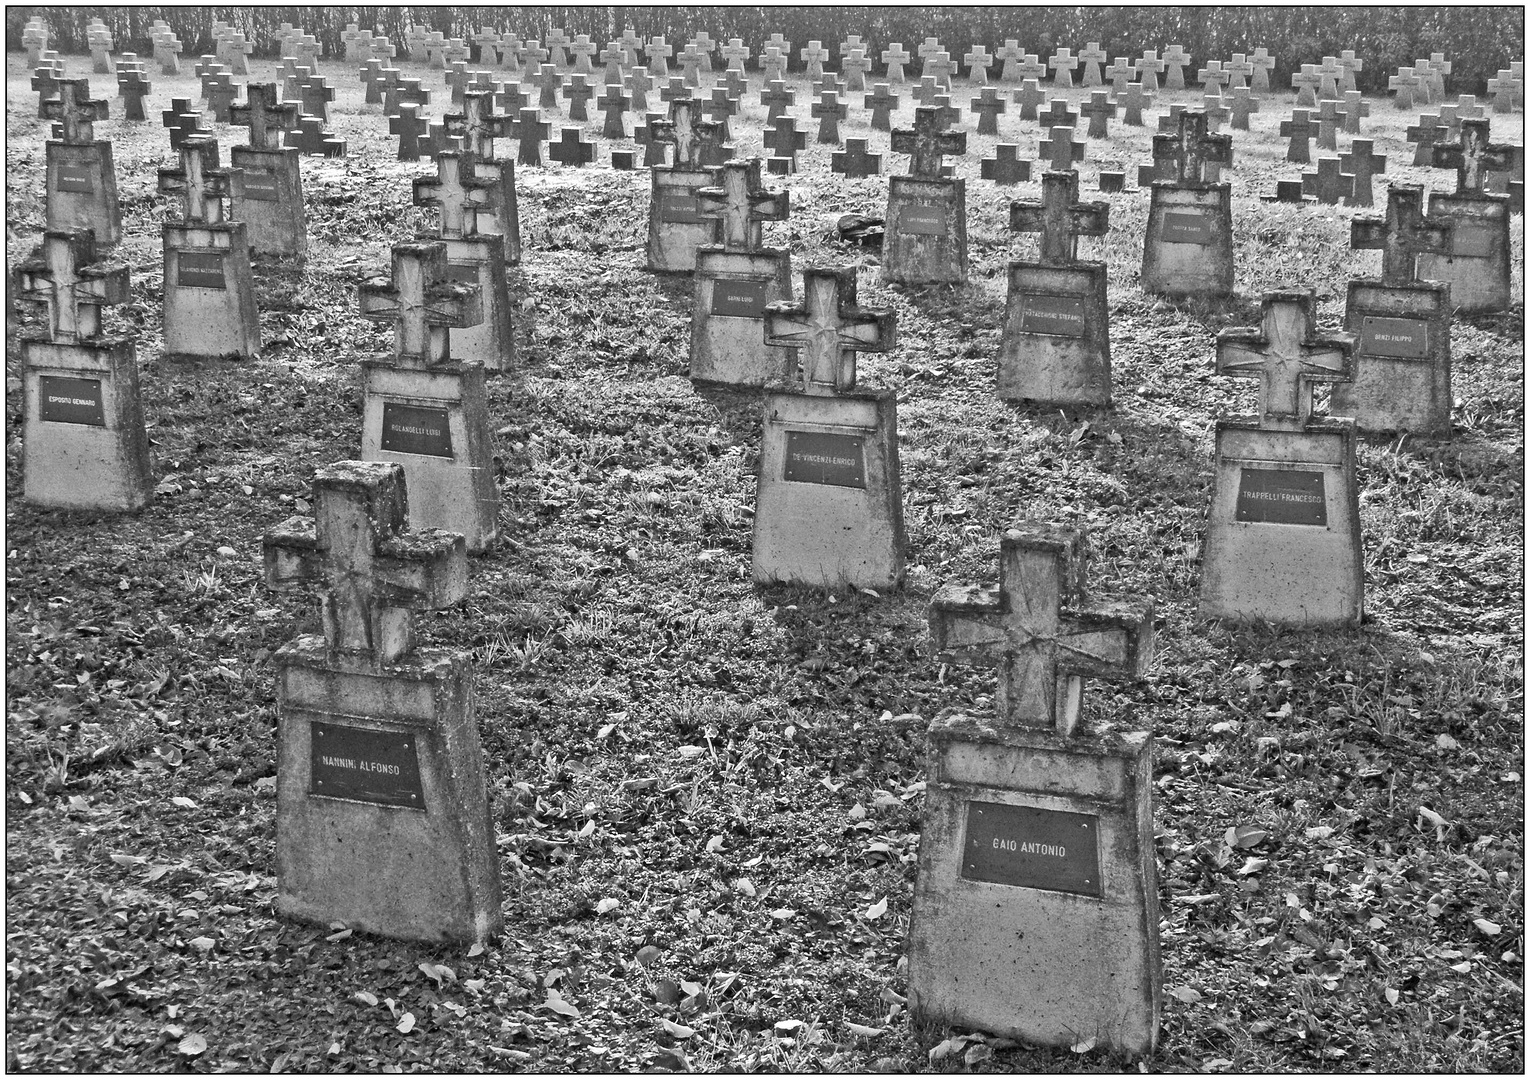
x: 70, y: 401
x: 380, y: 767
x: 679, y: 209
x: 922, y: 220
x: 1033, y: 848
x: 414, y: 429
x: 1471, y: 240
x: 1281, y: 497
x: 1407, y: 339
x: 199, y: 270
x: 261, y: 186
x: 1186, y: 228
x: 1057, y: 316
x: 75, y: 178
x: 814, y: 457
x: 739, y: 299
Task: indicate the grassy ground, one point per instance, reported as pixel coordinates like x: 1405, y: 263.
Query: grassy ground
x: 704, y: 790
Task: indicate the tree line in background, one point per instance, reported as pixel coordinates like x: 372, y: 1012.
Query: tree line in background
x: 1477, y: 40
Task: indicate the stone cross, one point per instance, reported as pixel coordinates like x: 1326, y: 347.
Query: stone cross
x: 266, y: 115
x: 557, y: 40
x: 1010, y: 55
x: 1006, y: 166
x: 703, y: 41
x: 854, y: 67
x: 638, y: 84
x: 1263, y: 64
x: 687, y: 132
x: 1041, y: 630
x: 1305, y: 83
x: 1287, y: 357
x: 737, y: 54
x: 478, y: 125
x: 1149, y: 67
x: 578, y: 92
x: 881, y: 102
x: 1028, y: 97
x: 1473, y: 157
x: 1402, y: 236
x: 1100, y: 109
x: 1243, y: 103
x: 894, y: 57
x: 813, y: 55
x: 1362, y: 163
x: 1330, y: 71
x: 65, y: 276
x: 1092, y: 56
x: 183, y: 122
x: 1351, y: 64
x: 988, y: 105
x: 529, y: 129
x: 1298, y: 129
x: 1403, y: 84
x: 631, y: 42
x: 1176, y: 58
x: 583, y: 51
x: 1504, y: 86
x: 780, y: 44
x: 854, y: 160
x: 614, y: 104
x: 1355, y: 107
x: 1192, y: 149
x: 828, y: 329
x: 462, y: 196
x: 690, y: 64
x: 1059, y: 150
x: 1063, y: 63
x: 422, y: 302
x: 374, y: 572
x: 1212, y: 75
x: 784, y: 138
x: 1330, y: 184
x: 926, y: 143
x: 1439, y: 67
x: 741, y: 206
x: 1238, y: 69
x: 830, y: 111
x: 1120, y: 74
x: 773, y: 64
x: 1059, y: 217
x: 978, y: 62
x: 1136, y: 101
x: 777, y: 98
x: 74, y: 112
x: 658, y: 52
x: 1330, y: 116
x: 571, y: 149
x: 200, y: 183
x: 1424, y: 91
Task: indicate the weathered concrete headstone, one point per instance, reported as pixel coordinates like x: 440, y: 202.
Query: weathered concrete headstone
x: 209, y: 310
x: 1055, y: 348
x: 676, y: 227
x: 80, y: 181
x: 1187, y: 249
x: 926, y: 239
x: 1283, y: 532
x: 1403, y: 85
x: 1006, y: 166
x: 267, y: 189
x: 1477, y: 266
x: 736, y: 278
x: 1299, y: 129
x: 1010, y: 55
x: 1263, y: 63
x: 1401, y: 324
x: 829, y: 504
x: 1363, y: 163
x: 894, y: 57
x: 477, y: 125
x: 84, y: 446
x: 1149, y: 67
x: 1063, y: 63
x: 854, y: 161
x: 382, y: 802
x: 1029, y: 97
x: 829, y: 111
x: 1330, y: 184
x: 987, y: 106
x: 1036, y: 902
x: 98, y: 39
x: 423, y: 409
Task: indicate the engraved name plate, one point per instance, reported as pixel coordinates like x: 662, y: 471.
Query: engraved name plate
x: 1032, y: 847
x: 75, y: 178
x: 739, y: 299
x: 199, y: 270
x: 415, y: 429
x: 70, y: 401
x: 380, y: 767
x: 1407, y: 339
x: 679, y: 209
x: 816, y: 457
x: 923, y: 221
x: 1057, y: 316
x: 1188, y: 228
x: 1281, y: 497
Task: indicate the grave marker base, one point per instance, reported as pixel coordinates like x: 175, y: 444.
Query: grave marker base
x: 1052, y: 944
x: 449, y: 471
x: 1056, y: 344
x: 1477, y: 270
x: 926, y: 238
x: 92, y: 454
x: 1187, y: 248
x: 480, y: 260
x: 208, y: 322
x: 419, y: 874
x: 726, y: 343
x: 840, y: 521
x: 268, y: 198
x: 81, y: 185
x: 1283, y: 532
x: 674, y: 229
x: 1402, y: 358
x: 505, y: 221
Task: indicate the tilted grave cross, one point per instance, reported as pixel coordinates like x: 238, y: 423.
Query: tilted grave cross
x: 1055, y: 348
x: 267, y: 188
x: 829, y: 506
x: 736, y: 278
x: 209, y: 306
x: 1283, y: 532
x: 675, y: 227
x: 80, y: 179
x: 83, y: 435
x: 926, y: 238
x: 1477, y: 266
x: 478, y: 125
x: 1035, y: 830
x: 382, y: 801
x: 1187, y: 249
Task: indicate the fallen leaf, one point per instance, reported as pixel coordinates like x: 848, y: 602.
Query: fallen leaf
x: 406, y: 1023
x: 666, y: 992
x: 1445, y: 742
x: 1320, y: 832
x: 202, y: 943
x: 877, y: 910
x: 1188, y: 994
x: 365, y: 997
x: 863, y: 1031
x: 334, y: 1048
x: 1253, y: 866
x: 648, y: 954
x: 1245, y: 836
x: 556, y: 1003
x: 588, y: 829
x: 476, y: 949
x: 192, y: 1045
x: 679, y: 1031
x: 339, y: 935
x: 785, y: 1028
x: 437, y: 972
x: 1392, y: 995
x: 978, y: 1052
x: 744, y: 885
x: 181, y: 800
x: 609, y: 903
x: 782, y: 913
x: 715, y: 844
x: 856, y: 812
x: 1083, y: 1047
x: 1487, y: 926
x: 129, y: 860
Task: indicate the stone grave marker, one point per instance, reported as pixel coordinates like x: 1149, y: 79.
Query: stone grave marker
x: 1035, y: 910
x: 1213, y: 76
x: 1298, y: 129
x: 612, y: 56
x: 855, y: 67
x: 1187, y: 249
x: 926, y: 238
x: 1362, y: 163
x: 1176, y: 59
x: 829, y: 508
x: 423, y: 409
x: 1403, y: 85
x: 777, y: 99
x: 614, y: 105
x: 854, y: 161
x: 987, y: 106
x: 477, y: 125
x: 737, y: 54
x: 1355, y: 109
x: 578, y: 92
x: 167, y: 52
x: 1477, y: 266
x: 472, y: 200
x: 721, y: 106
x: 942, y: 67
x: 1149, y: 67
x: 1006, y: 166
x: 84, y: 446
x: 1099, y: 109
x: 1136, y: 101
x: 98, y: 39
x: 1504, y: 87
x: 1055, y: 348
x: 882, y: 102
x: 221, y: 92
x: 1009, y: 56
x: 1263, y: 63
x: 1063, y: 63
x: 1243, y: 103
x: 1305, y: 82
x: 571, y: 149
x: 1059, y: 150
x: 312, y: 137
x: 785, y: 141
x: 736, y: 278
x: 411, y: 128
x: 209, y: 307
x: 382, y: 802
x: 704, y: 42
x: 829, y: 111
x: 676, y: 227
x: 690, y: 65
x: 80, y: 179
x: 183, y: 122
x: 1329, y: 184
x: 893, y: 58
x: 1350, y: 63
x: 1401, y: 325
x: 1330, y: 116
x: 1423, y: 135
x: 266, y: 192
x: 773, y: 64
x: 34, y: 39
x: 1119, y: 73
x: 1329, y: 73
x: 1439, y: 67
x: 1283, y: 532
x: 1091, y: 56
x: 658, y: 51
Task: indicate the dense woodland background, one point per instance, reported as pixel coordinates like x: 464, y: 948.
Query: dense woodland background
x: 1477, y: 40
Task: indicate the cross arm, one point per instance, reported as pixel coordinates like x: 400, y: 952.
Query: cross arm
x: 422, y: 570
x: 966, y: 623
x: 1108, y: 640
x: 292, y: 553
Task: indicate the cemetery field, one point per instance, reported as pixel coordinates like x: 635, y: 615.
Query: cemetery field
x: 707, y: 794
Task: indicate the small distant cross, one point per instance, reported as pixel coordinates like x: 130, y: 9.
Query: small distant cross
x: 1006, y: 166
x: 557, y: 40
x: 741, y: 205
x: 1330, y: 71
x: 1059, y: 150
x: 1212, y: 75
x: 658, y: 52
x: 926, y: 143
x: 773, y: 64
x: 1243, y: 103
x: 200, y: 182
x: 1100, y: 110
x: 1402, y: 236
x: 1136, y: 101
x: 1305, y: 82
x: 828, y: 329
x: 266, y: 115
x: 1403, y: 84
x: 75, y: 113
x: 988, y: 105
x: 1011, y: 54
x: 1119, y: 73
x: 1091, y: 56
x: 1176, y: 58
x: 690, y: 64
x: 737, y: 55
x: 1351, y: 64
x: 1028, y: 97
x: 1058, y: 114
x: 1473, y: 157
x: 1298, y: 129
x: 1287, y: 357
x: 780, y: 44
x: 854, y: 161
x: 978, y: 62
x: 882, y: 101
x: 583, y: 50
x: 1355, y: 107
x: 894, y: 57
x: 777, y: 98
x: 1059, y: 217
x: 422, y: 302
x: 1148, y: 69
x: 578, y: 92
x: 374, y: 572
x: 854, y: 68
x: 1362, y: 164
x: 1063, y: 64
x: 615, y: 104
x: 813, y: 55
x: 132, y: 87
x: 612, y: 56
x: 1041, y: 630
x: 783, y: 137
x: 530, y: 130
x: 638, y: 85
x: 653, y: 153
x: 830, y: 111
x: 1330, y: 184
x: 1504, y: 86
x: 571, y: 149
x: 1192, y: 149
x: 1238, y: 70
x: 221, y: 91
x: 65, y: 276
x: 183, y: 122
x: 409, y: 126
x: 1263, y: 64
x: 721, y: 106
x: 1330, y: 116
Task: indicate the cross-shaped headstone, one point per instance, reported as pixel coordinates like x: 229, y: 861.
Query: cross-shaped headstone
x: 1149, y: 67
x: 45, y: 80
x: 1120, y: 74
x: 1330, y: 116
x: 850, y: 44
x: 675, y: 90
x: 1287, y: 357
x: 612, y: 57
x: 1238, y: 70
x: 183, y: 122
x: 638, y: 85
x: 615, y: 104
x: 690, y: 65
x: 1362, y: 164
x: 583, y: 51
x: 374, y: 572
x: 532, y: 56
x: 1063, y: 63
x: 978, y: 62
x: 894, y: 57
x: 687, y: 132
x: 942, y: 67
x: 929, y: 50
x: 1263, y: 64
x: 777, y: 99
x: 1100, y: 110
x: 221, y: 91
x: 722, y: 105
x: 1355, y: 107
x: 1330, y: 184
x: 854, y: 161
x: 737, y: 54
x: 632, y: 43
x: 571, y: 149
x: 578, y: 92
x: 1299, y: 129
x: 1059, y: 114
x: 783, y: 137
x: 1192, y: 150
x: 855, y: 68
x: 1424, y: 93
x: 404, y: 92
x: 1305, y: 83
x: 1136, y: 101
x: 779, y: 43
x: 65, y: 276
x: 557, y: 40
x: 1330, y: 71
x: 658, y: 52
x: 1403, y: 84
x: 1439, y: 67
x: 882, y: 101
x: 75, y: 114
x: 741, y: 206
x: 1176, y: 58
x: 813, y: 55
x: 1402, y: 236
x: 463, y: 197
x: 1059, y: 217
x: 1041, y: 630
x: 927, y: 90
x: 529, y: 130
x: 1213, y: 76
x: 1473, y: 157
x: 1215, y: 111
x: 703, y: 41
x: 1009, y: 55
x: 200, y: 182
x: 1504, y: 86
x: 830, y: 111
x: 1351, y: 64
x: 1028, y: 97
x: 422, y: 302
x: 926, y: 143
x: 266, y: 115
x: 1006, y: 167
x: 828, y: 329
x: 1243, y: 103
x: 1058, y: 149
x: 1091, y: 56
x: 1424, y: 135
x: 99, y: 40
x: 773, y: 64
x: 478, y: 125
x: 987, y: 106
